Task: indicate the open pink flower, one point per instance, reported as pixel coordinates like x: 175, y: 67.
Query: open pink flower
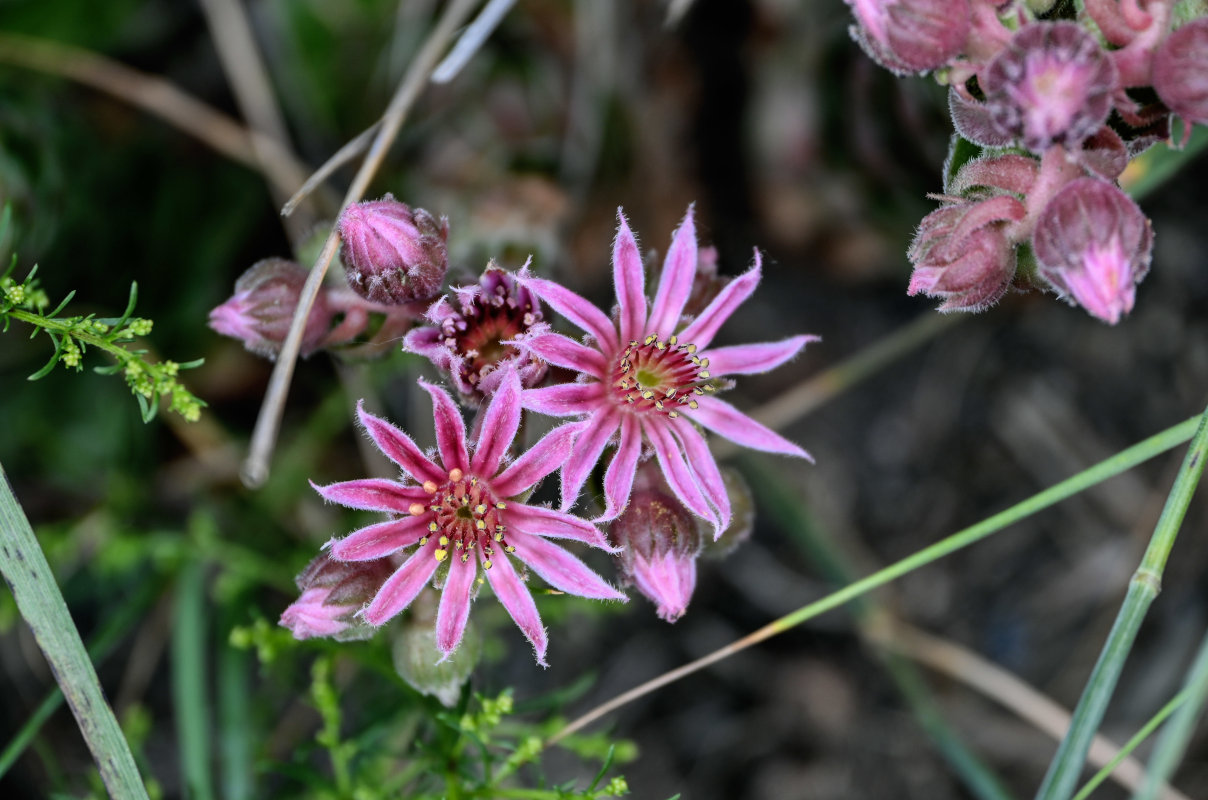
x: 646, y: 377
x: 459, y: 514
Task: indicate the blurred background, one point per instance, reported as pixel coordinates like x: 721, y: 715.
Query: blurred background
x: 788, y: 138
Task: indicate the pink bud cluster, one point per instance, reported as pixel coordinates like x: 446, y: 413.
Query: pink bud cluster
x: 1051, y: 106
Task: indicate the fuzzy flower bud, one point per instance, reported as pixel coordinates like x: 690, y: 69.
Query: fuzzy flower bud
x: 907, y: 36
x: 393, y: 253
x: 260, y: 311
x: 1093, y: 244
x: 962, y: 255
x: 1180, y: 71
x: 332, y: 593
x: 1051, y: 84
x: 470, y: 330
x: 419, y: 661
x: 661, y: 540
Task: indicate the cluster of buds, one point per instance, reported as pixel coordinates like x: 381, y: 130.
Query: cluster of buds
x: 1064, y: 92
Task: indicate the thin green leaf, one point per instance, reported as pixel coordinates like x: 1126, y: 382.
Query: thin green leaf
x: 189, y: 686
x: 129, y: 306
x: 54, y: 360
x: 1172, y: 745
x: 1146, y: 730
x: 61, y: 305
x: 607, y: 765
x: 194, y: 364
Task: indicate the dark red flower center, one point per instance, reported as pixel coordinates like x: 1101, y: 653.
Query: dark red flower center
x: 479, y: 332
x: 464, y: 514
x: 653, y: 376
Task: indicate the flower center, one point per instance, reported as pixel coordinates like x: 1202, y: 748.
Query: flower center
x: 657, y: 376
x: 479, y: 332
x: 464, y: 515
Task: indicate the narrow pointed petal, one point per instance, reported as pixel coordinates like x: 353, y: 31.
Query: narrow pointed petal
x: 563, y: 351
x: 751, y: 359
x: 586, y: 452
x: 541, y: 521
x: 704, y: 467
x: 538, y: 461
x: 726, y: 420
x: 669, y: 582
x: 618, y: 480
x: 454, y: 609
x: 498, y: 427
x: 450, y: 429
x: 515, y: 597
x: 675, y: 284
x: 399, y: 448
x: 378, y: 541
x: 565, y: 399
x: 560, y: 569
x: 675, y: 470
x: 630, y: 282
x: 574, y: 308
x: 705, y: 327
x: 401, y: 588
x: 373, y: 494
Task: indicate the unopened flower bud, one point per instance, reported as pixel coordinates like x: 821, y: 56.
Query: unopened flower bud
x: 1180, y: 71
x: 742, y: 516
x: 393, y: 253
x: 661, y: 540
x: 911, y: 35
x: 1093, y: 244
x: 332, y: 593
x: 1051, y: 84
x: 419, y: 661
x: 262, y: 308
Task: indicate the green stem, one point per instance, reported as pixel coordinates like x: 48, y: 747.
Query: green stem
x: 1173, y: 743
x: 67, y: 327
x: 189, y: 687
x: 1146, y: 730
x: 42, y: 606
x: 1067, y: 764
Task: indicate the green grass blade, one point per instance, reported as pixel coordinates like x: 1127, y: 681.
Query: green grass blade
x: 190, y: 696
x: 42, y: 606
x: 235, y: 704
x: 1173, y: 743
x: 1146, y: 731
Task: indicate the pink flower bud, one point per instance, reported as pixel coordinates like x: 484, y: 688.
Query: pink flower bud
x: 332, y: 593
x: 260, y: 311
x: 661, y: 540
x: 1180, y: 71
x: 392, y: 253
x: 1051, y: 84
x: 1093, y: 244
x: 911, y: 35
x: 962, y: 254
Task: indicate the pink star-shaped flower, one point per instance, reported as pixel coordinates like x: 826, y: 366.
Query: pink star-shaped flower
x: 646, y: 377
x: 460, y: 515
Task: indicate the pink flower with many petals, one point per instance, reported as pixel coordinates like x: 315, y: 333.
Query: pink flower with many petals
x: 646, y: 377
x: 459, y: 513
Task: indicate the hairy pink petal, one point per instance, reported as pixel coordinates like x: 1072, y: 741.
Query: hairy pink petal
x: 588, y: 447
x: 726, y: 420
x: 704, y: 467
x: 704, y: 328
x: 372, y: 494
x: 618, y: 480
x: 450, y: 429
x: 515, y: 597
x: 563, y: 351
x: 454, y: 609
x: 574, y: 308
x: 564, y: 400
x: 630, y: 282
x: 541, y: 521
x: 401, y: 588
x: 675, y: 284
x: 675, y: 470
x: 538, y: 461
x: 498, y: 427
x: 749, y: 359
x: 668, y: 580
x: 560, y: 569
x: 378, y: 541
x: 399, y: 448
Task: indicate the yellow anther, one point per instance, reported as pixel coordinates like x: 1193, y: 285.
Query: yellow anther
x: 704, y: 373
x: 658, y: 404
x: 430, y: 487
x: 704, y: 362
x: 423, y: 540
x: 480, y: 525
x: 650, y: 339
x: 693, y: 404
x: 501, y: 504
x: 709, y: 388
x: 672, y: 339
x: 457, y: 544
x: 480, y: 509
x: 660, y: 345
x: 499, y: 536
x: 698, y: 391
x: 673, y: 414
x: 486, y: 564
x: 465, y: 557
x: 432, y: 526
x: 646, y: 395
x: 455, y: 474
x: 510, y: 549
x: 691, y: 348
x: 415, y: 509
x: 443, y: 540
x: 441, y: 555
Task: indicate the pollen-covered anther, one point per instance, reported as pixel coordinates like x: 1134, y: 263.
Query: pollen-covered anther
x: 430, y: 487
x: 416, y: 509
x: 456, y: 475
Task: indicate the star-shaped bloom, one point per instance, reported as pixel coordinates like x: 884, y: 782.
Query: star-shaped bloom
x: 648, y: 374
x: 456, y: 512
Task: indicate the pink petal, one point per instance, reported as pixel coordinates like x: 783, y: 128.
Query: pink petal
x: 454, y: 611
x: 675, y: 470
x: 675, y: 284
x: 540, y: 521
x: 574, y: 308
x: 586, y: 452
x: 565, y: 399
x: 402, y: 587
x: 704, y: 328
x: 618, y: 480
x: 450, y: 429
x: 726, y: 420
x: 563, y: 351
x: 498, y: 426
x: 426, y: 341
x: 560, y: 569
x: 668, y: 581
x: 630, y: 282
x: 515, y: 597
x: 399, y: 448
x: 749, y: 359
x: 377, y: 541
x: 538, y: 461
x: 373, y: 494
x: 702, y: 464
